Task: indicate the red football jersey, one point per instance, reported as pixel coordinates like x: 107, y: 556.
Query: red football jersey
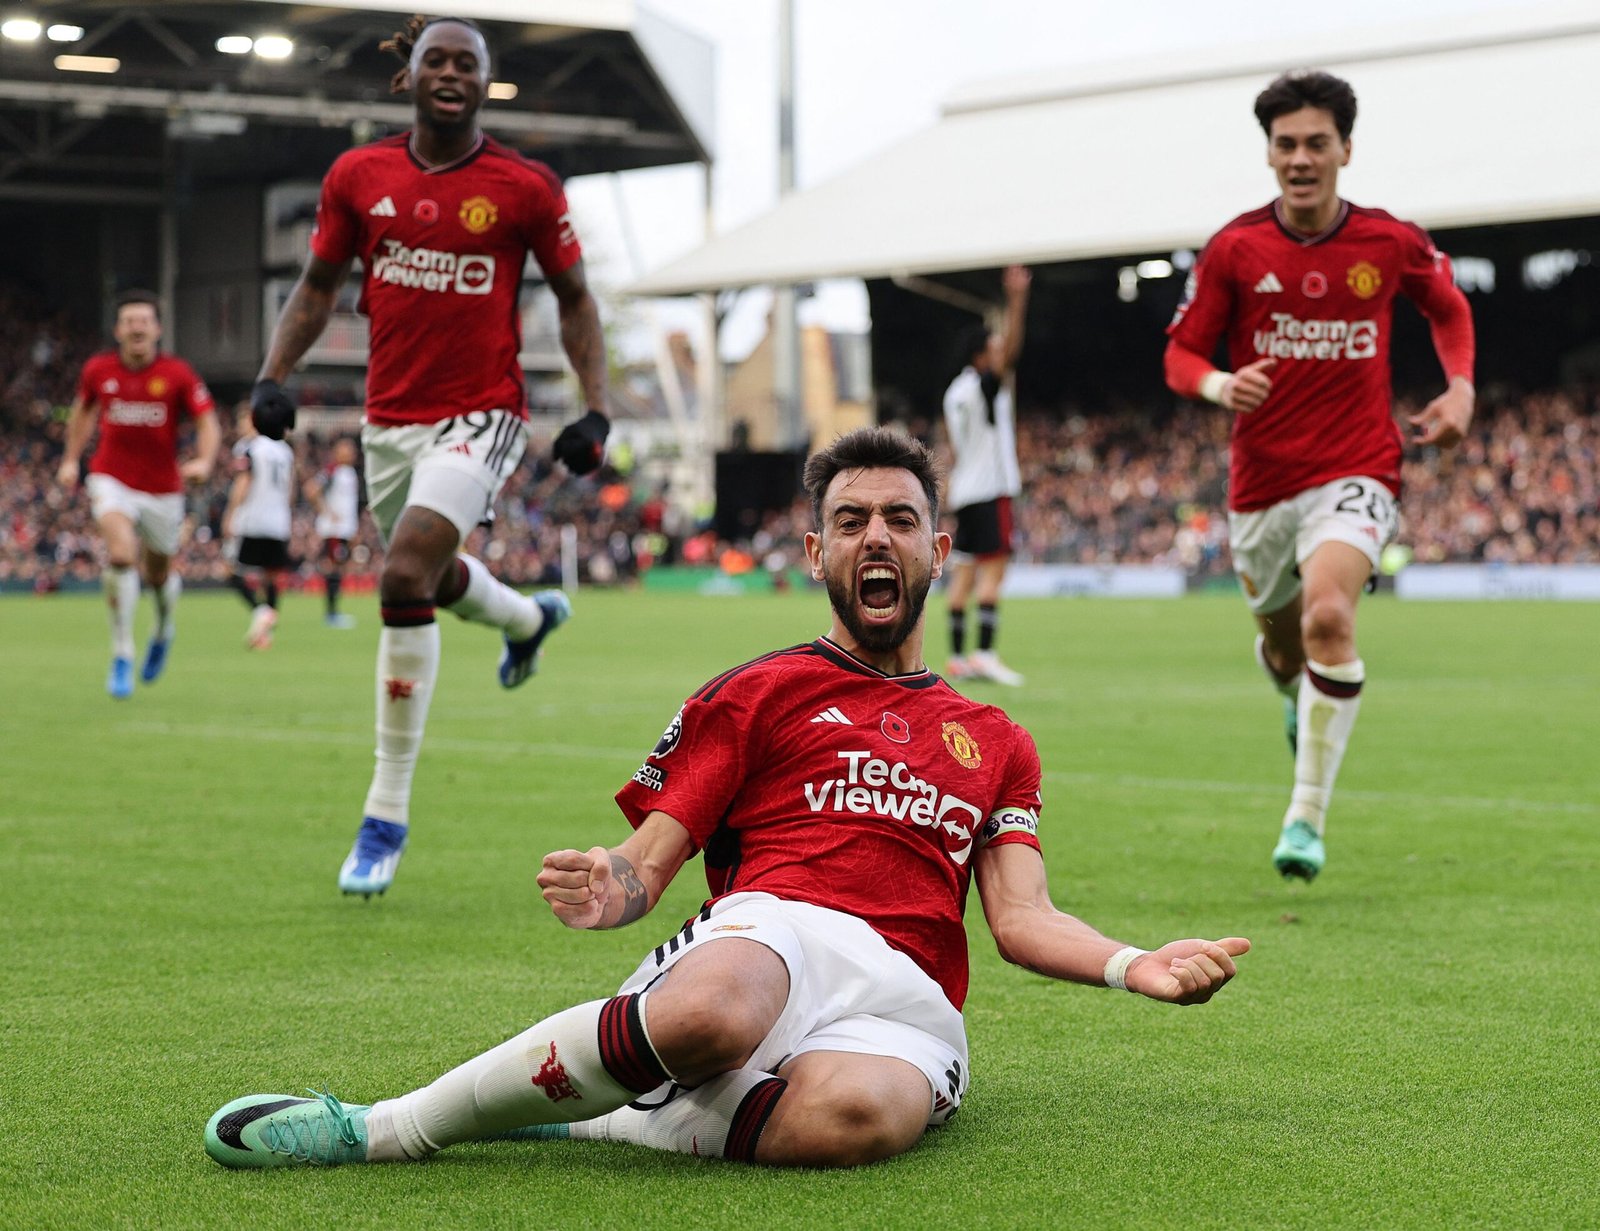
x: 444, y: 248
x: 139, y: 410
x: 810, y: 776
x: 1322, y: 306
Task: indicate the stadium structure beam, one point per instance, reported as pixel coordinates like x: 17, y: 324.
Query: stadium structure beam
x: 80, y: 194
x: 325, y: 113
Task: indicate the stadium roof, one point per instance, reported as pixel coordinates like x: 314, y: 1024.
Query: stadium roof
x: 1487, y: 120
x: 602, y: 85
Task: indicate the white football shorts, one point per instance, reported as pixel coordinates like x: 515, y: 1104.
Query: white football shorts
x: 848, y: 991
x: 455, y: 467
x: 1269, y: 545
x: 156, y: 516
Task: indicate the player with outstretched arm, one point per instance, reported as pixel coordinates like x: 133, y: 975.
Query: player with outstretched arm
x: 443, y: 218
x: 844, y: 799
x: 1303, y: 290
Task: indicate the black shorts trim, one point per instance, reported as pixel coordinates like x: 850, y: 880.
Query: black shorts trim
x: 984, y: 529
x: 264, y: 553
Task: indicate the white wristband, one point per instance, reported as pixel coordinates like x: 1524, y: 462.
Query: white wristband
x: 1117, y: 966
x: 1212, y: 385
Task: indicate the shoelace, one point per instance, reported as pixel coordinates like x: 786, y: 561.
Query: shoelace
x: 371, y: 845
x: 308, y: 1135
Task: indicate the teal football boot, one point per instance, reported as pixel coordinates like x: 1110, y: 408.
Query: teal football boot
x: 280, y: 1130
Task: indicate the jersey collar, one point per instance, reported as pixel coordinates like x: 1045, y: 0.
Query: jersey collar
x: 840, y: 657
x: 441, y: 168
x: 1300, y: 237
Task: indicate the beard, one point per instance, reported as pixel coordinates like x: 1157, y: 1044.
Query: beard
x: 878, y: 638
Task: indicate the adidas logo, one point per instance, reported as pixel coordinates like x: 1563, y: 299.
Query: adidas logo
x: 832, y: 714
x: 385, y: 209
x: 1267, y: 286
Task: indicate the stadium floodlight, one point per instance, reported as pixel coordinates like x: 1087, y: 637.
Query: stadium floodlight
x: 505, y: 91
x: 60, y: 33
x: 88, y: 64
x: 1153, y: 269
x: 274, y: 47
x: 21, y: 29
x: 236, y: 44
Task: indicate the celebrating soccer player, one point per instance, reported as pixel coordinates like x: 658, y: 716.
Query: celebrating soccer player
x: 1304, y: 290
x: 844, y: 798
x: 135, y: 482
x: 443, y: 219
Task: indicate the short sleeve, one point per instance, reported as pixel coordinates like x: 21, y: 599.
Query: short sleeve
x: 697, y: 766
x: 87, y: 393
x: 551, y: 237
x: 1015, y: 815
x: 335, y: 233
x: 197, y: 398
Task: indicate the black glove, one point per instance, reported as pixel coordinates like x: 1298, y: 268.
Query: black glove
x: 271, y: 409
x: 581, y: 445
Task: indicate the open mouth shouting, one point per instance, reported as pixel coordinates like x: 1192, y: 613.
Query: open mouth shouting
x: 878, y: 590
x: 448, y: 101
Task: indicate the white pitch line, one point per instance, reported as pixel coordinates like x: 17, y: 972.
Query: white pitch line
x: 300, y: 735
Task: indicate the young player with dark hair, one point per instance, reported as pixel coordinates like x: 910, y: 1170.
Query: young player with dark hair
x: 1304, y: 289
x: 845, y: 798
x: 137, y: 394
x: 443, y: 219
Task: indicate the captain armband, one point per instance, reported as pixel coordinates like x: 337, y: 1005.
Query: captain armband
x: 1006, y: 822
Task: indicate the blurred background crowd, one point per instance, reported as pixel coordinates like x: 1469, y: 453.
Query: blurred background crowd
x: 1111, y: 484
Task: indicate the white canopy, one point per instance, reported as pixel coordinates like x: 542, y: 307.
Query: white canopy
x: 1490, y: 120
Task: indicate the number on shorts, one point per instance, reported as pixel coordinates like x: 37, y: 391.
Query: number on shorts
x: 1378, y: 508
x: 478, y: 420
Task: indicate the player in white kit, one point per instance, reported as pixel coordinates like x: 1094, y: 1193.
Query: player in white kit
x: 259, y: 518
x: 336, y: 496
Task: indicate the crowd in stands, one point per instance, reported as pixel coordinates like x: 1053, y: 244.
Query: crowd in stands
x: 1114, y: 485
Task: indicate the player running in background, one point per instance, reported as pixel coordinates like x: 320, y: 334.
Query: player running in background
x: 259, y: 518
x: 1304, y: 289
x: 443, y: 219
x: 844, y: 797
x: 336, y: 496
x: 981, y: 422
x: 135, y: 482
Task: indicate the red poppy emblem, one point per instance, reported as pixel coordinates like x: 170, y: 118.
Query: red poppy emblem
x: 895, y: 728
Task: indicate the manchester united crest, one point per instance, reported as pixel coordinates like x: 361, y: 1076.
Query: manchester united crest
x: 478, y: 214
x: 1364, y: 278
x: 961, y: 745
x: 157, y: 386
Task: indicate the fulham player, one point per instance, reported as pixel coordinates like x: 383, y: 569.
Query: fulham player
x: 1303, y: 291
x: 442, y: 219
x: 138, y: 394
x: 336, y: 496
x: 844, y: 798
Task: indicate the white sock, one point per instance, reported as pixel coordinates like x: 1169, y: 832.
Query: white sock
x: 122, y: 599
x: 487, y: 601
x: 694, y: 1122
x: 551, y: 1073
x: 408, y: 665
x: 166, y: 596
x: 1289, y: 689
x: 1330, y: 698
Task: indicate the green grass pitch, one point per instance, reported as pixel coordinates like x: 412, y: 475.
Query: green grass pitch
x: 1409, y: 1045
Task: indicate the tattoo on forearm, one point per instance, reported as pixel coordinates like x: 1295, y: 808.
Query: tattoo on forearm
x: 635, y: 897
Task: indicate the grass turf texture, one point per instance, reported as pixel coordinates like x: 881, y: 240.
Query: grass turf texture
x: 1409, y: 1044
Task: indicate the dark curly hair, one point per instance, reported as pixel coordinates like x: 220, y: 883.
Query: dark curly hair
x: 1308, y: 87
x: 403, y: 42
